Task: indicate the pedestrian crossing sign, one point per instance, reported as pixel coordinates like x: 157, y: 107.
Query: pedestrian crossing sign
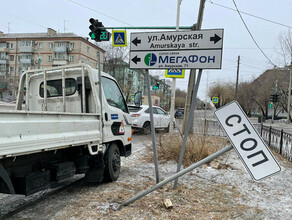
x: 119, y: 38
x: 215, y: 100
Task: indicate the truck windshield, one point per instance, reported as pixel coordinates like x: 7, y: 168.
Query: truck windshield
x: 113, y: 94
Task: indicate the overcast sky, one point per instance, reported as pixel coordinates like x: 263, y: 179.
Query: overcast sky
x: 31, y: 16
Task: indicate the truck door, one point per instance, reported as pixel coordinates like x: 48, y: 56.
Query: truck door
x: 117, y: 120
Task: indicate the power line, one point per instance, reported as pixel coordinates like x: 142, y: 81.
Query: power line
x: 83, y: 6
x: 248, y: 48
x: 255, y: 16
x: 252, y: 35
x: 22, y: 18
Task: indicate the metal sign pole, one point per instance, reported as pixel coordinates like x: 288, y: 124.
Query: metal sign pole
x: 175, y: 176
x: 189, y: 124
x: 100, y: 91
x: 152, y: 127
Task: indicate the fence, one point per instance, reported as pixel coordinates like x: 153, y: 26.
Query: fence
x: 278, y: 140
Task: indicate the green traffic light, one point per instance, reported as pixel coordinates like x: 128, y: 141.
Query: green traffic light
x: 92, y: 35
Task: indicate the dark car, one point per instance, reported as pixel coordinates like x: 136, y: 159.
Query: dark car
x: 179, y: 113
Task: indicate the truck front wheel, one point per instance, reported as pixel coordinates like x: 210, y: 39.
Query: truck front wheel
x: 112, y: 161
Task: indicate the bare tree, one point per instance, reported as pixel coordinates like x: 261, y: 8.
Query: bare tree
x: 285, y: 43
x: 244, y: 97
x: 225, y: 92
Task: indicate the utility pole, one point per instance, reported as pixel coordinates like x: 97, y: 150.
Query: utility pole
x: 237, y: 75
x: 274, y: 93
x: 173, y: 86
x: 289, y: 95
x: 206, y: 97
x: 192, y: 76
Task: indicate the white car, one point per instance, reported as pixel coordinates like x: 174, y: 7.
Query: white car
x: 141, y: 118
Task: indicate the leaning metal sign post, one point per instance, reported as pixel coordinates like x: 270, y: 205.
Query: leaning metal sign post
x: 255, y: 155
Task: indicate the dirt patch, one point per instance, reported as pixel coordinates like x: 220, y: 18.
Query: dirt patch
x: 203, y: 201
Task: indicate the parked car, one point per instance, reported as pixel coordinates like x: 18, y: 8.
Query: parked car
x: 179, y: 113
x: 141, y: 118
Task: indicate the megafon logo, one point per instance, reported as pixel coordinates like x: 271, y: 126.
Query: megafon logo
x: 150, y: 59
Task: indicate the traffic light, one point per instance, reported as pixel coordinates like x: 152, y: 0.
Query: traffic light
x: 270, y: 105
x: 156, y: 86
x: 98, y: 33
x: 272, y: 98
x: 276, y: 97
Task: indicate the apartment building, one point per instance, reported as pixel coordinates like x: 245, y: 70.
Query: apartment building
x: 22, y: 51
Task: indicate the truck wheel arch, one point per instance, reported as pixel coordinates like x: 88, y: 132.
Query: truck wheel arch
x: 121, y: 147
x: 5, y: 179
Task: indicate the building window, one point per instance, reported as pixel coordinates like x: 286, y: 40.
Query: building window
x: 2, y: 56
x: 60, y: 56
x: 25, y: 56
x: 71, y: 46
x: 60, y: 44
x: 25, y: 43
x: 40, y: 45
x: 11, y: 45
x: 11, y: 57
x: 2, y: 67
x: 11, y: 69
x: 71, y: 58
x: 50, y: 58
x: 50, y: 45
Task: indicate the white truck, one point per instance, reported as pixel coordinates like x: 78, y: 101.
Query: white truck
x: 74, y: 121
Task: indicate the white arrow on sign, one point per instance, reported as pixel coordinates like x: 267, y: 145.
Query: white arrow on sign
x: 203, y: 59
x: 255, y: 155
x: 177, y: 40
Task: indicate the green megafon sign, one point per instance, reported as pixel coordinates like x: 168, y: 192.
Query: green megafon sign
x: 150, y: 59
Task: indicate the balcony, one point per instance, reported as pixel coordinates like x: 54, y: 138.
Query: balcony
x: 4, y: 49
x: 3, y: 85
x: 60, y: 62
x: 2, y: 73
x: 61, y: 49
x: 26, y: 61
x: 25, y: 49
x: 3, y: 61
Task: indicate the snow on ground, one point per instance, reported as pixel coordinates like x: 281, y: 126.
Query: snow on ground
x: 220, y: 190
